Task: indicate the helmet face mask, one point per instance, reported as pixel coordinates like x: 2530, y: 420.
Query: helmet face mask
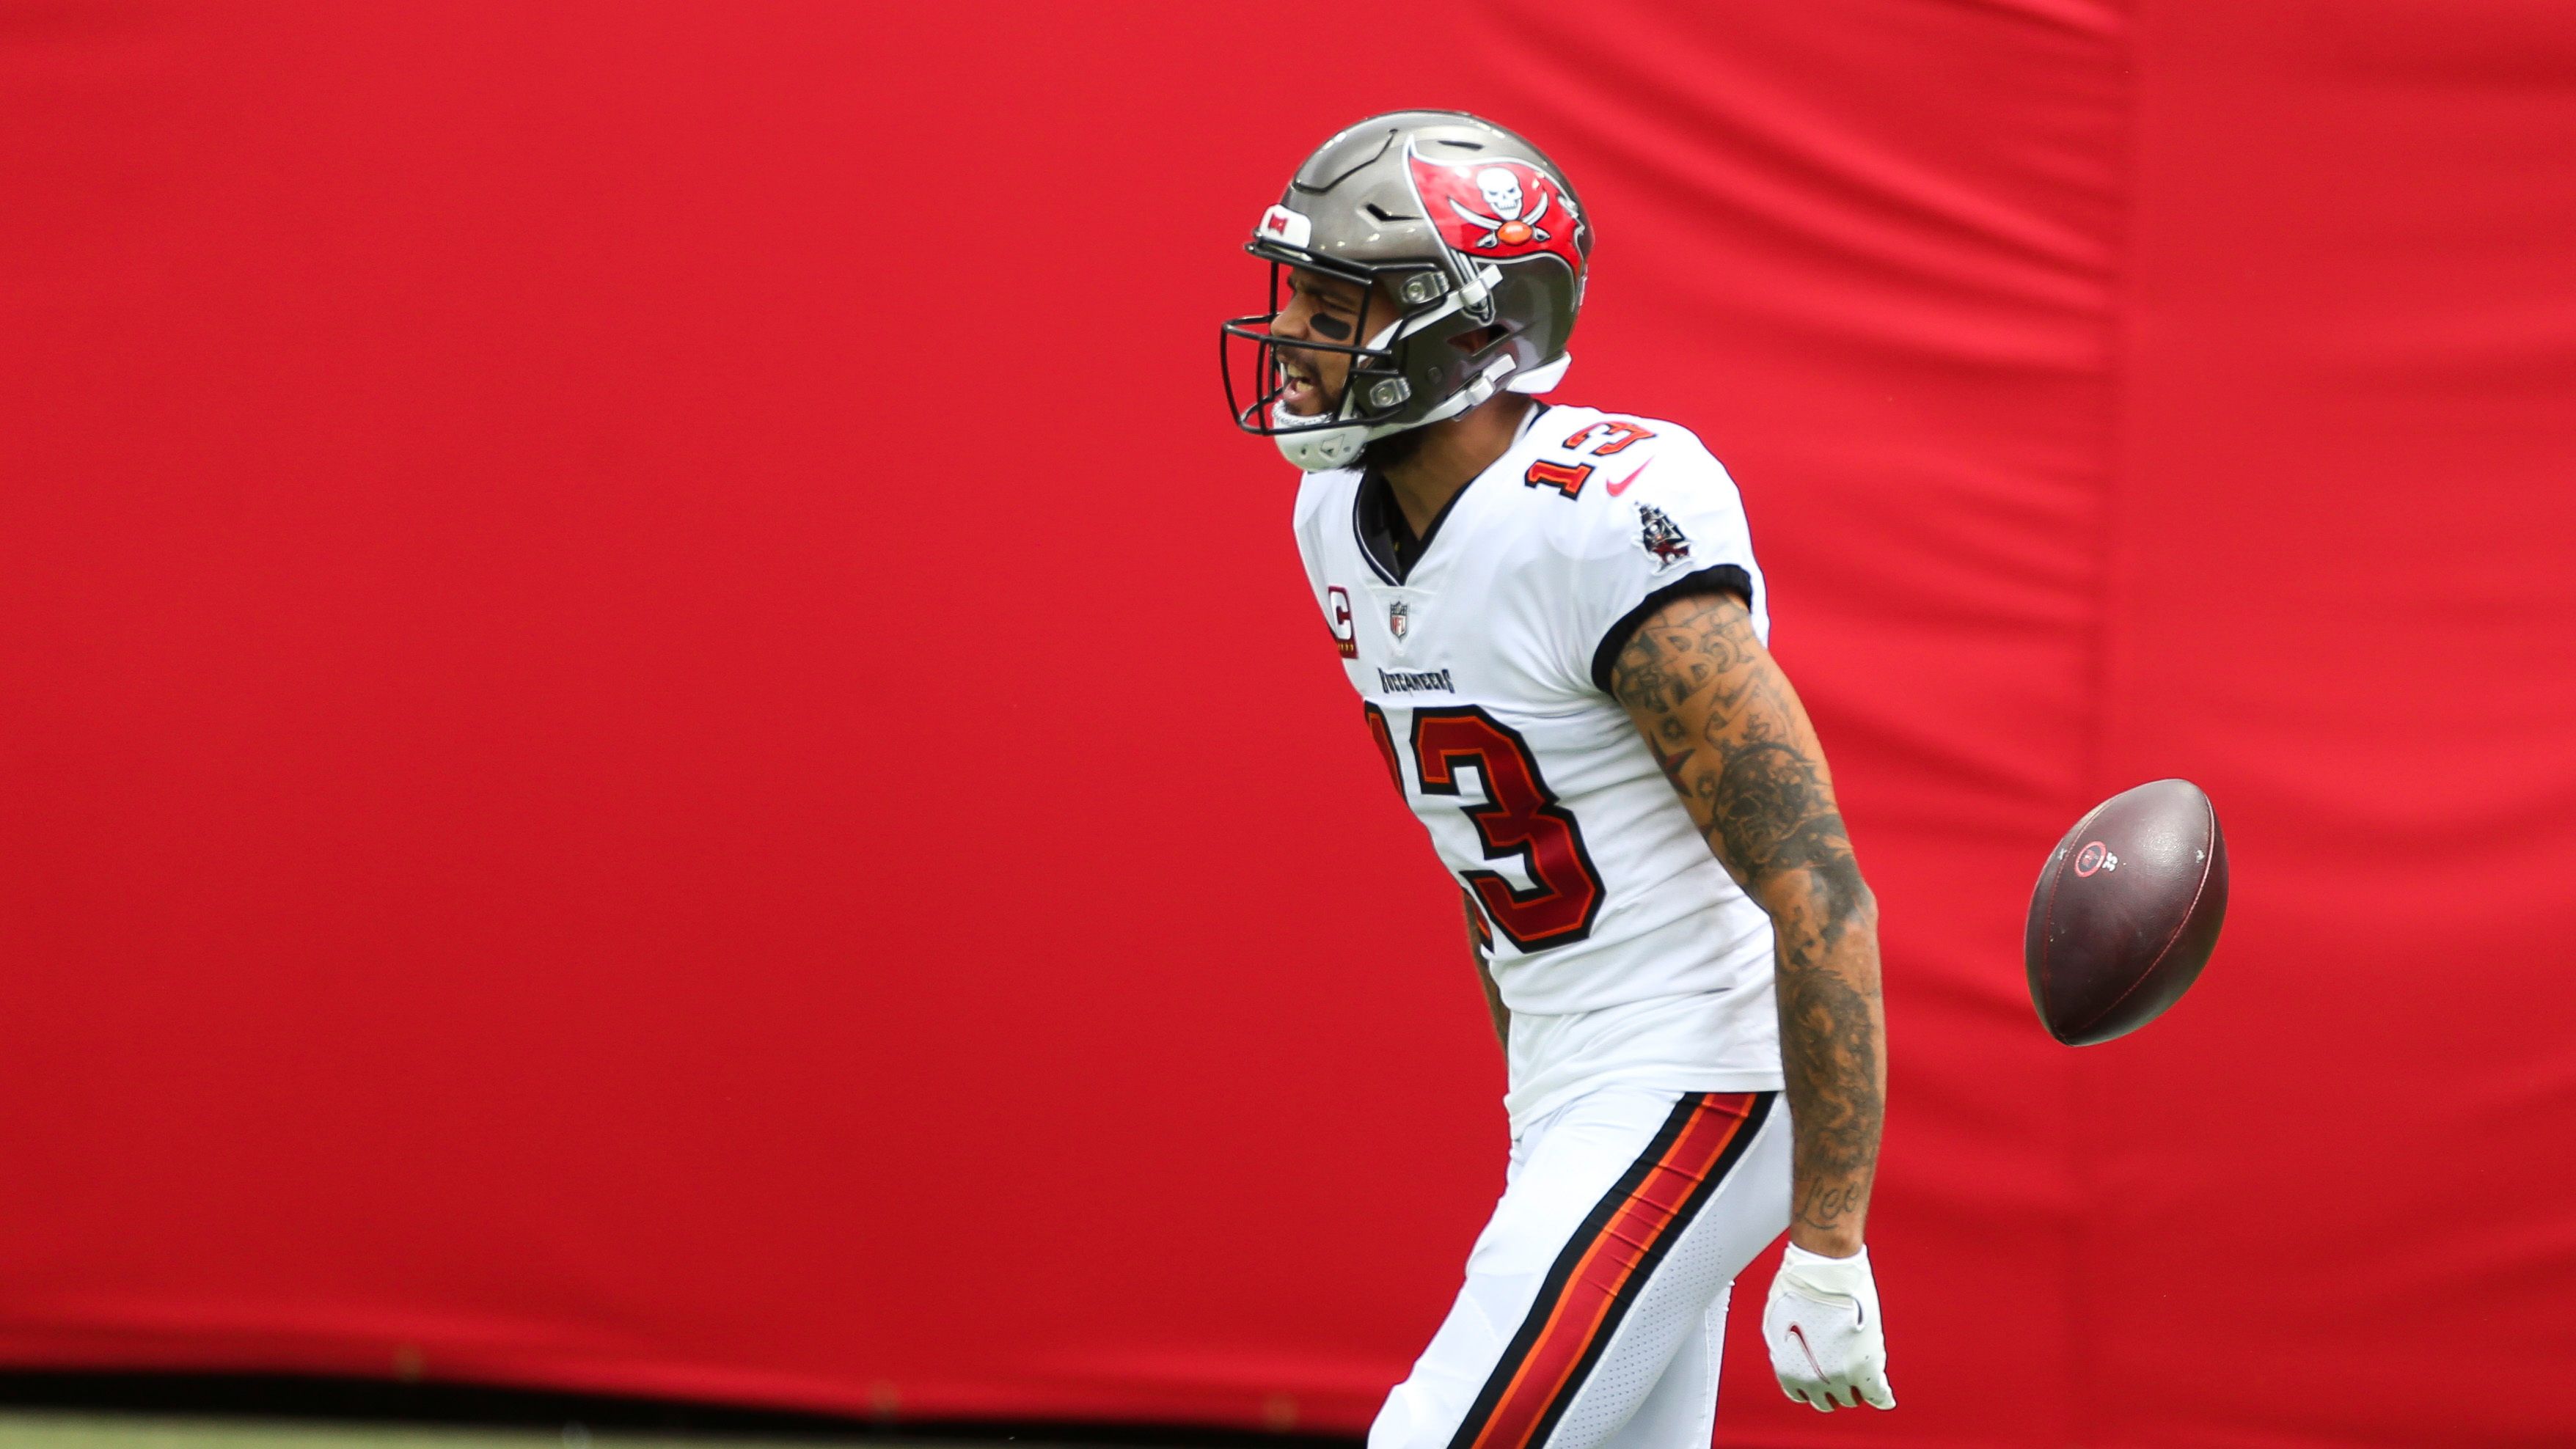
x: 1465, y: 229
x: 1255, y: 383
x: 1381, y: 376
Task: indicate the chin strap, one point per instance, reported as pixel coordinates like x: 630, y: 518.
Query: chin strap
x: 1322, y: 448
x: 1318, y: 449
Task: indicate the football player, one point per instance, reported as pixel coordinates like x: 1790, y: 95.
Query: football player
x: 1556, y: 627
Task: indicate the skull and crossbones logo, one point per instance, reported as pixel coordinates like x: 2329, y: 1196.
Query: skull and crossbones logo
x: 1509, y: 225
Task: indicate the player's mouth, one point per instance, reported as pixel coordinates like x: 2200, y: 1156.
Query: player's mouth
x: 1300, y: 391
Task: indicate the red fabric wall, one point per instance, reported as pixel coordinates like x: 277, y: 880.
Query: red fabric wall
x: 654, y: 738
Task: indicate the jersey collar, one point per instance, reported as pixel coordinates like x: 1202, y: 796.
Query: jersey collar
x: 1378, y: 522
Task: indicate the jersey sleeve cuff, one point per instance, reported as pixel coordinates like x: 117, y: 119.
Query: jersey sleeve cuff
x: 1715, y: 579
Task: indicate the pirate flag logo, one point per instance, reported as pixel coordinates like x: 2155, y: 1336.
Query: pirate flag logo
x: 1661, y: 538
x: 1498, y: 208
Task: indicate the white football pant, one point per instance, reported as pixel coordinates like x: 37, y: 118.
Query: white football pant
x: 1595, y: 1301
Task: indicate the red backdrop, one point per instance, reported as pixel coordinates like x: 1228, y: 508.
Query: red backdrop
x: 654, y: 738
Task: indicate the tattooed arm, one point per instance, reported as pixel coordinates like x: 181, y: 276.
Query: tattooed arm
x: 1480, y: 944
x: 1732, y: 737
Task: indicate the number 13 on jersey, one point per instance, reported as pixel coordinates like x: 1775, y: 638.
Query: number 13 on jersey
x: 1516, y: 817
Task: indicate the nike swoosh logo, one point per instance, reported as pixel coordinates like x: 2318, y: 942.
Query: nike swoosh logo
x: 1794, y: 1331
x: 1622, y: 485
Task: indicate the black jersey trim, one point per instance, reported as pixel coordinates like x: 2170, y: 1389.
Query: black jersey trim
x: 1378, y: 519
x: 1376, y: 516
x: 1360, y: 533
x: 1715, y: 579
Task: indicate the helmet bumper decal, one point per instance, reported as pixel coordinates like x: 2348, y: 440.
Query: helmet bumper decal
x: 1285, y: 228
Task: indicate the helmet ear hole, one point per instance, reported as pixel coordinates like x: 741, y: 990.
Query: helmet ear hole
x: 1477, y: 341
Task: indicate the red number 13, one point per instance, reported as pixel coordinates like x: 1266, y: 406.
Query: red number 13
x: 1517, y: 820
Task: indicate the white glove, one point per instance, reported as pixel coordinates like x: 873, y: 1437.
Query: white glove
x: 1822, y: 1325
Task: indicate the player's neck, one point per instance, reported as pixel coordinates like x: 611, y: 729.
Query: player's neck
x: 1453, y: 452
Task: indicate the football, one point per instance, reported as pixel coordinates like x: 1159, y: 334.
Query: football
x: 2126, y: 912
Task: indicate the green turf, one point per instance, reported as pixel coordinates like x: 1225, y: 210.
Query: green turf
x: 116, y: 1431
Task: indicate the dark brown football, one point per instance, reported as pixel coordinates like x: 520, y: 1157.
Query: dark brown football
x: 2126, y: 912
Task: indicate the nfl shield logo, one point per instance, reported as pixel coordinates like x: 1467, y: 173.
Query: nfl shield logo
x: 1398, y: 615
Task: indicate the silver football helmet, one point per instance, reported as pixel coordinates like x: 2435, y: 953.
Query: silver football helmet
x: 1472, y: 234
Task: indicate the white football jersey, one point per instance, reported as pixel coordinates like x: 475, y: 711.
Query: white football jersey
x: 1625, y: 952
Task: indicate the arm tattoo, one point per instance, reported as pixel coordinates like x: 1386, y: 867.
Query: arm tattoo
x: 1726, y: 729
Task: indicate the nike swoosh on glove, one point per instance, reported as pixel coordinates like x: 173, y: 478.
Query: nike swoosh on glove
x: 1822, y: 1324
